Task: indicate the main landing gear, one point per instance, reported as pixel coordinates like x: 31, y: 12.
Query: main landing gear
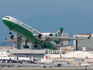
x: 43, y: 46
x: 26, y: 46
x: 10, y: 33
x: 35, y: 46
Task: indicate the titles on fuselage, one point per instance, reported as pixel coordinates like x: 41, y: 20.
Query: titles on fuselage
x: 26, y: 26
x: 34, y: 31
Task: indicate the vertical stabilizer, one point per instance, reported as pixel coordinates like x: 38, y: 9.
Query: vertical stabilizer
x: 46, y: 56
x: 60, y: 56
x: 59, y: 32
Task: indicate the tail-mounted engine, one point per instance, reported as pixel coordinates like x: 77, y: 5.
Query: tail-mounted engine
x: 51, y: 34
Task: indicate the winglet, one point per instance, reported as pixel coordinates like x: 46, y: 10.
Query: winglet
x: 89, y: 37
x: 5, y: 39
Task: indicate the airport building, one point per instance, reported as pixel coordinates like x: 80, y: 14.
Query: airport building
x: 83, y: 45
x: 22, y: 53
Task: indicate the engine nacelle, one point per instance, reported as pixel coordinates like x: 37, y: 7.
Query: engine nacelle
x: 51, y: 34
x: 13, y: 37
x: 42, y: 37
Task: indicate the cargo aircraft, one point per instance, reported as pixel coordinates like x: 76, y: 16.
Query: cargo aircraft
x: 28, y: 34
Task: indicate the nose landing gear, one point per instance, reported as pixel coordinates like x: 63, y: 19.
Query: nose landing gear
x: 35, y: 46
x: 10, y: 31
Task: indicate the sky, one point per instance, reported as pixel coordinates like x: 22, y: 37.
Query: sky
x: 75, y: 16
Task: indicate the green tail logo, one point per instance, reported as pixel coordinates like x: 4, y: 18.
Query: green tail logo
x: 58, y: 34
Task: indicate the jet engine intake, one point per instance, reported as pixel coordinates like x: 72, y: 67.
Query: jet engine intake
x: 51, y: 34
x: 12, y: 37
x: 42, y: 37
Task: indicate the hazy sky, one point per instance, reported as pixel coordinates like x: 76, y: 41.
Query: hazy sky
x: 25, y: 9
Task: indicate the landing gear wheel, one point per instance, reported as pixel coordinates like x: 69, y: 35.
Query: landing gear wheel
x: 10, y: 32
x: 26, y: 46
x: 35, y: 46
x: 43, y: 46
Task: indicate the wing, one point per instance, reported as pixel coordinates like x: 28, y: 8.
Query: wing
x: 10, y: 40
x: 51, y: 38
x: 16, y: 39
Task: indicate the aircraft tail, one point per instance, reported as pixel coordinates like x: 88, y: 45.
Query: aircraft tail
x: 60, y: 56
x: 46, y: 56
x: 59, y: 32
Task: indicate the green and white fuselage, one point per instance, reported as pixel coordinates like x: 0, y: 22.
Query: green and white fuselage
x: 26, y: 31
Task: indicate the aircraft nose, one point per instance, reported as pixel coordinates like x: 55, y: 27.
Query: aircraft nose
x: 7, y: 22
x: 4, y: 20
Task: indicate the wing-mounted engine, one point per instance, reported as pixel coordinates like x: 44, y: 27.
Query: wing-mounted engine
x: 42, y: 37
x: 13, y: 37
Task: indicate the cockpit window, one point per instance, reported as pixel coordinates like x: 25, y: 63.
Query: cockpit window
x: 7, y: 17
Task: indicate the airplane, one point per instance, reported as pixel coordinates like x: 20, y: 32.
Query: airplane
x: 13, y: 59
x: 55, y: 56
x: 49, y: 60
x: 28, y: 34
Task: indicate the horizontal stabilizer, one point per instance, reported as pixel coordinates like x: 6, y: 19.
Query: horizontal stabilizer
x: 63, y: 45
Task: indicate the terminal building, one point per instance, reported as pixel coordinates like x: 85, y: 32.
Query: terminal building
x: 83, y: 45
